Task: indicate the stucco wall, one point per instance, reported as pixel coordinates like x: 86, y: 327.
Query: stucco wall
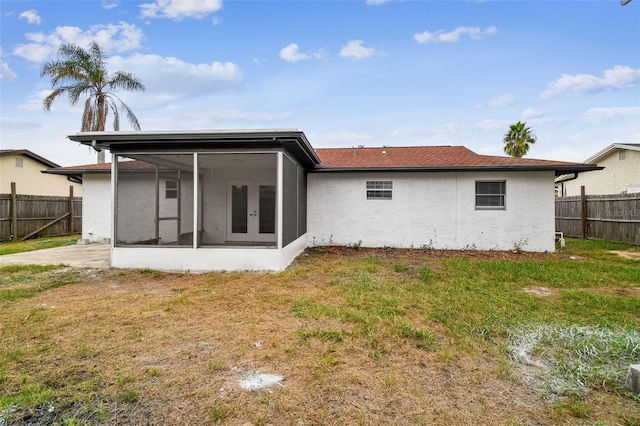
x: 435, y: 210
x: 29, y: 179
x: 615, y: 178
x: 96, y: 208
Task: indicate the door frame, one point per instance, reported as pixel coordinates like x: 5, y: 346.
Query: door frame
x: 253, y: 212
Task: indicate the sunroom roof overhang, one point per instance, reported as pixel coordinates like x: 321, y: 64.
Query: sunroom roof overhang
x: 291, y: 140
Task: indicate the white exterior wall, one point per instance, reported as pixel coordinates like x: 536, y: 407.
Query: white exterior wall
x: 616, y: 177
x: 435, y: 210
x: 205, y: 259
x: 96, y: 208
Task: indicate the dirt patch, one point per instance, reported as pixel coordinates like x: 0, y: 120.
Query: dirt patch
x: 626, y: 254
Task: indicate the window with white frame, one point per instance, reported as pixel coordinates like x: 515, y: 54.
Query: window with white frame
x: 379, y: 189
x: 171, y: 189
x: 490, y: 195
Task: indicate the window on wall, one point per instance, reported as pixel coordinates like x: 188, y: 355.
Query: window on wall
x: 19, y: 162
x: 490, y: 195
x: 171, y: 189
x: 622, y: 154
x: 379, y: 189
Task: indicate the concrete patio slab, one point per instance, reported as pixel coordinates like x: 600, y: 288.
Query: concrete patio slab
x: 79, y: 256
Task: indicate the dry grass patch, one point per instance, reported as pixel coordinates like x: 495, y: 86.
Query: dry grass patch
x: 360, y: 337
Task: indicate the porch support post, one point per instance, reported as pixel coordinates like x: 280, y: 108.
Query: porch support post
x: 157, y: 206
x: 114, y: 198
x: 280, y: 198
x: 196, y: 201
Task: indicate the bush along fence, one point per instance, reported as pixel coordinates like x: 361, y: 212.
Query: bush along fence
x: 27, y: 216
x: 614, y: 217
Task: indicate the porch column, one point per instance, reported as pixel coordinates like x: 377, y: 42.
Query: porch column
x: 280, y: 199
x: 114, y: 194
x: 195, y: 201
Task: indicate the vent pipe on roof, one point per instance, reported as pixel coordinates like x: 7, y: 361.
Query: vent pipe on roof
x: 384, y: 153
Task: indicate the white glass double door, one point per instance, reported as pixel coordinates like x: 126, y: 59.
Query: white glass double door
x: 251, y: 211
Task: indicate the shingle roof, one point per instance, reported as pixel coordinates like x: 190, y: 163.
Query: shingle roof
x: 99, y: 168
x: 417, y: 158
x: 429, y: 158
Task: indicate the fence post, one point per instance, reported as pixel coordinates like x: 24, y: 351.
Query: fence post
x: 14, y: 212
x: 71, y: 212
x: 583, y: 212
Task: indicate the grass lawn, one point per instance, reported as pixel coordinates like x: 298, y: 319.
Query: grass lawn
x: 359, y: 336
x: 18, y: 246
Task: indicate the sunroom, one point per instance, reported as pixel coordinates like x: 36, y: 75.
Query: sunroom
x: 204, y: 201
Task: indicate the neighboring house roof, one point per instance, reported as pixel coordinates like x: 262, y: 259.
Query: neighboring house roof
x: 29, y: 154
x: 600, y: 156
x: 433, y: 158
x: 611, y: 148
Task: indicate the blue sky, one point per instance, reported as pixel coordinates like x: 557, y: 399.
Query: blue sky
x: 347, y: 73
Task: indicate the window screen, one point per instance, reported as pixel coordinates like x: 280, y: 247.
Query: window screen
x: 379, y: 189
x: 490, y: 195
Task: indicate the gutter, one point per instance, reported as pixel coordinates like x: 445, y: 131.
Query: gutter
x: 558, y: 170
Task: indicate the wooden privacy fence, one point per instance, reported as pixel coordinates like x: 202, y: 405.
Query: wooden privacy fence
x: 614, y: 217
x: 26, y: 216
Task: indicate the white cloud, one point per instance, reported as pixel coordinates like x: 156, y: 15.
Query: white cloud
x: 356, y: 50
x: 502, y: 101
x: 440, y: 36
x: 109, y: 6
x: 490, y: 124
x: 600, y: 114
x: 292, y: 54
x: 168, y: 78
x: 235, y: 115
x: 31, y: 16
x: 180, y: 9
x: 531, y: 113
x: 342, y: 138
x: 111, y: 38
x: 6, y: 73
x: 580, y: 84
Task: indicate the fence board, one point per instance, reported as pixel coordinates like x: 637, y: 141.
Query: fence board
x: 614, y: 217
x: 34, y: 211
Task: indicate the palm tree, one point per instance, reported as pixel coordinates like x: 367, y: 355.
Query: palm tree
x: 77, y: 73
x: 517, y: 140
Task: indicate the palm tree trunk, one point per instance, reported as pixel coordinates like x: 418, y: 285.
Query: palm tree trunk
x: 102, y: 119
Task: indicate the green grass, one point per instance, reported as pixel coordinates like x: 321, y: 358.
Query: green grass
x: 24, y: 281
x: 444, y: 309
x: 9, y: 247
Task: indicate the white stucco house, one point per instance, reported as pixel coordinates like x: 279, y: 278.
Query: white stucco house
x: 621, y: 173
x: 255, y: 199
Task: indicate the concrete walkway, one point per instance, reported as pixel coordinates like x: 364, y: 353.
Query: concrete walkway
x: 80, y: 256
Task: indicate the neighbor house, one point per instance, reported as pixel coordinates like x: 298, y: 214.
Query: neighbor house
x: 254, y: 199
x: 621, y: 173
x: 26, y: 168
